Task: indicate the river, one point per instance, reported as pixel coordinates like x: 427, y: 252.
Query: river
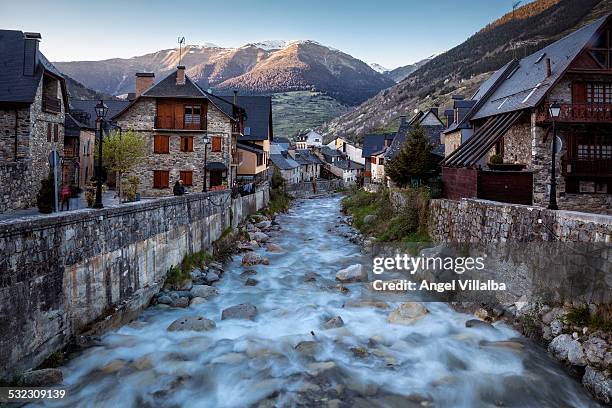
x: 435, y: 362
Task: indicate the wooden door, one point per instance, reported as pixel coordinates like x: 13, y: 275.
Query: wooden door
x: 165, y: 115
x: 179, y: 110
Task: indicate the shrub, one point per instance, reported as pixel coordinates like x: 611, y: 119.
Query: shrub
x: 496, y: 159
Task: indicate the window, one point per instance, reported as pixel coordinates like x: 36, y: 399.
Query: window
x: 381, y: 161
x: 259, y: 159
x: 55, y: 132
x: 161, y: 178
x: 216, y: 144
x: 161, y: 144
x: 186, y: 143
x: 586, y: 152
x: 187, y: 177
x: 598, y: 92
x: 192, y: 114
x: 373, y: 160
x: 49, y: 131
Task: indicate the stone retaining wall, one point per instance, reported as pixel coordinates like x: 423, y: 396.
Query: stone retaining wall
x: 59, y: 273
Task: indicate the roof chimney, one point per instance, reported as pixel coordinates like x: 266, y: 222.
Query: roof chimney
x: 458, y: 97
x: 30, y: 53
x: 402, y: 120
x: 548, y: 69
x: 235, y: 97
x: 434, y: 110
x: 144, y: 80
x: 180, y: 75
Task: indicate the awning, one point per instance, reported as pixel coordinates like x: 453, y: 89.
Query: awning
x: 215, y: 166
x: 470, y: 153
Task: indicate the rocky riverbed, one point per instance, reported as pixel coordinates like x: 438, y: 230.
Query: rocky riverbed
x: 292, y: 323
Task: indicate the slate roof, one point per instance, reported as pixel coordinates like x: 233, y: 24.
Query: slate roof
x: 88, y: 106
x: 258, y: 114
x: 167, y: 88
x: 283, y: 163
x: 72, y: 126
x: 526, y: 86
x: 348, y: 165
x: 432, y: 133
x: 15, y: 87
x: 281, y: 140
x: 375, y: 143
x: 328, y: 151
x: 310, y: 156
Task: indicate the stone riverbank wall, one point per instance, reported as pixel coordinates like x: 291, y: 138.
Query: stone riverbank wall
x: 61, y: 273
x: 313, y: 188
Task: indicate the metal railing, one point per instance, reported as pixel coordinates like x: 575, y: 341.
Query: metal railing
x: 184, y: 123
x: 579, y: 113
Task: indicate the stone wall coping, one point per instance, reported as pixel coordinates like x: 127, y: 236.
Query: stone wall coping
x: 561, y: 214
x: 43, y: 221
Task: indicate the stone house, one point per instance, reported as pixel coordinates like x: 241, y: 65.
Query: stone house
x: 353, y: 152
x: 79, y: 143
x: 510, y: 118
x: 254, y: 143
x: 33, y: 100
x: 310, y: 164
x: 341, y: 166
x: 176, y: 115
x: 287, y: 167
x: 309, y: 139
x: 373, y: 146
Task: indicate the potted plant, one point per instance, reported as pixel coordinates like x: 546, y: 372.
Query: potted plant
x: 130, y: 189
x: 496, y: 162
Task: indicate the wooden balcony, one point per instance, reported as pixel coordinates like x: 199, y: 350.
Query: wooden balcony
x: 51, y: 104
x: 579, y: 113
x: 586, y: 167
x: 71, y: 152
x: 179, y: 123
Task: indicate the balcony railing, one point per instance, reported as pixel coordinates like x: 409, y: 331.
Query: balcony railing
x: 51, y: 104
x: 70, y: 151
x: 586, y: 167
x: 184, y: 123
x: 579, y: 113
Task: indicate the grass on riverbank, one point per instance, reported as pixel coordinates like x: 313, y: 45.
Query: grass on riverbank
x: 374, y: 214
x: 279, y: 201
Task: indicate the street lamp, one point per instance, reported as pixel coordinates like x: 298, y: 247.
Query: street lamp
x: 101, y: 111
x: 206, y: 141
x: 554, y: 111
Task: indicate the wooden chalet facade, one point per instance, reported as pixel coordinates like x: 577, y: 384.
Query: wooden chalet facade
x: 510, y: 118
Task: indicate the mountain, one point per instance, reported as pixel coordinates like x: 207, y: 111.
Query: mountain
x: 463, y: 68
x: 400, y: 73
x: 257, y: 68
x: 77, y: 90
x: 379, y: 68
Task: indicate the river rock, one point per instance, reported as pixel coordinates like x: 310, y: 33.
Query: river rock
x: 477, y: 323
x: 182, y: 301
x: 195, y: 323
x: 307, y: 348
x: 113, y: 366
x: 599, y: 384
x: 41, y: 378
x: 273, y: 248
x: 248, y: 272
x: 333, y: 323
x: 164, y: 300
x: 252, y: 258
x: 204, y: 291
x: 367, y: 303
x: 360, y: 351
x: 251, y: 282
x: 314, y: 369
x: 597, y: 353
x: 211, y: 277
x: 311, y: 276
x: 197, y: 301
x: 264, y: 224
x: 407, y: 313
x: 241, y: 311
x: 369, y: 219
x: 216, y: 265
x: 186, y: 285
x: 565, y: 348
x: 354, y: 273
x: 258, y: 236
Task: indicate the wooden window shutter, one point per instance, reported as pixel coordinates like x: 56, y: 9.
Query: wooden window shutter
x: 161, y: 144
x: 216, y: 143
x: 187, y: 177
x: 56, y: 132
x: 190, y: 144
x: 166, y: 178
x: 49, y: 132
x: 186, y: 143
x: 161, y: 178
x: 578, y: 92
x: 156, y: 181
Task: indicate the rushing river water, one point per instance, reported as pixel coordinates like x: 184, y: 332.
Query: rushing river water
x: 368, y: 362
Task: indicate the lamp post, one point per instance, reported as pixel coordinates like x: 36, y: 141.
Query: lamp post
x: 554, y: 110
x: 101, y: 111
x: 206, y: 141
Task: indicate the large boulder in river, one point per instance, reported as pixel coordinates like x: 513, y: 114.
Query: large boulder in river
x: 241, y: 311
x: 599, y: 383
x: 407, y: 313
x: 354, y: 273
x: 273, y: 248
x: 258, y: 236
x: 252, y: 258
x: 204, y: 291
x: 333, y: 323
x: 565, y: 348
x: 195, y: 323
x: 263, y: 225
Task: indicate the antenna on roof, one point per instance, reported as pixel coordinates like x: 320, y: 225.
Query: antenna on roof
x: 181, y: 42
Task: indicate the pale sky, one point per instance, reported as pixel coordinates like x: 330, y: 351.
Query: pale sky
x: 388, y: 32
